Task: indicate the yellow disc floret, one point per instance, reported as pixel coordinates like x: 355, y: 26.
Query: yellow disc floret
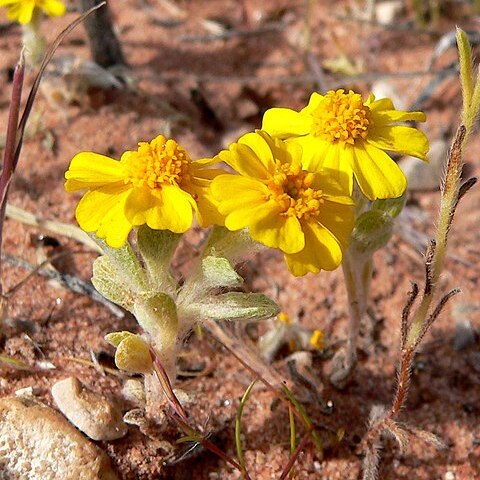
x: 160, y: 162
x: 291, y: 188
x: 341, y: 117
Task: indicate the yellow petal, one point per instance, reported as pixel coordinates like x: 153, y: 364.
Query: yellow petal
x: 338, y: 219
x: 406, y: 140
x: 313, y: 104
x: 377, y: 175
x: 261, y: 145
x: 278, y: 231
x: 380, y: 104
x: 102, y: 211
x: 53, y: 8
x: 336, y: 185
x: 244, y: 160
x: 321, y: 252
x: 207, y: 213
x: 249, y: 213
x: 232, y: 190
x: 313, y: 151
x: 284, y: 123
x: 91, y: 170
x: 168, y: 208
x: 23, y: 13
x: 386, y: 117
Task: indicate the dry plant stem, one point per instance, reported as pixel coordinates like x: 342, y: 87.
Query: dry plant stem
x: 16, y: 129
x: 9, y: 162
x: 267, y: 376
x: 104, y: 44
x: 181, y: 419
x: 301, y: 446
x: 65, y: 229
x: 207, y: 444
x: 166, y: 385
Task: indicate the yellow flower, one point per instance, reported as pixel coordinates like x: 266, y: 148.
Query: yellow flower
x: 22, y: 10
x: 341, y: 131
x: 157, y: 184
x: 317, y: 340
x: 305, y: 214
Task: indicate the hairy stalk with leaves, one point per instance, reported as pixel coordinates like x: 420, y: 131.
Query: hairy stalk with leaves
x: 414, y: 327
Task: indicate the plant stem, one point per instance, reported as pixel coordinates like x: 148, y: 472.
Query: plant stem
x: 32, y: 39
x: 357, y: 271
x: 10, y: 145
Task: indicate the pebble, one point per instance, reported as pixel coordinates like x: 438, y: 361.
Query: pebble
x: 38, y: 443
x: 423, y: 176
x: 464, y: 335
x: 90, y: 412
x: 385, y: 89
x: 387, y: 12
x: 134, y: 391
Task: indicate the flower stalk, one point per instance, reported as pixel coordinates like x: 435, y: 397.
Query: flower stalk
x: 414, y: 328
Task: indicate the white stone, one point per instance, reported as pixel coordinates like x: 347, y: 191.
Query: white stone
x: 90, y: 412
x: 37, y: 443
x: 387, y: 12
x: 385, y: 89
x: 423, y: 176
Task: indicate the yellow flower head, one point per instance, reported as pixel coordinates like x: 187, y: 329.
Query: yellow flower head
x: 285, y: 205
x: 22, y: 10
x: 342, y: 132
x: 157, y: 184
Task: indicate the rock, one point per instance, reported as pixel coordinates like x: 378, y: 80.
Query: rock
x: 385, y: 89
x: 90, y: 412
x: 134, y: 391
x: 38, y: 443
x: 464, y: 334
x: 423, y: 176
x: 387, y: 12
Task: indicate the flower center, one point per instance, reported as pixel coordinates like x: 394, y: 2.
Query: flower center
x: 291, y: 188
x: 156, y: 163
x: 341, y: 117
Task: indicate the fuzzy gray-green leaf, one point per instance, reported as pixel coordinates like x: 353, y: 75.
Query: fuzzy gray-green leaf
x: 218, y: 272
x: 126, y: 264
x: 373, y: 230
x: 157, y: 248
x: 107, y: 282
x: 236, y: 306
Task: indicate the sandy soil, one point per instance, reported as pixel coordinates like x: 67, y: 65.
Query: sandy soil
x: 258, y: 65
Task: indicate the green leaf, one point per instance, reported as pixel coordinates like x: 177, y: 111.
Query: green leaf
x: 373, y: 230
x: 236, y: 306
x: 230, y: 245
x: 219, y: 273
x: 126, y: 265
x: 157, y: 248
x: 110, y: 284
x: 133, y: 355
x: 115, y: 338
x: 158, y: 316
x: 391, y: 206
